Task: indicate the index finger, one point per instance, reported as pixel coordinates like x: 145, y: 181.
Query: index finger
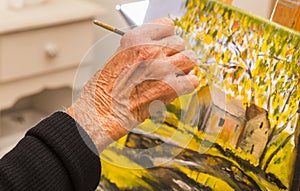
x: 163, y: 21
x: 156, y: 29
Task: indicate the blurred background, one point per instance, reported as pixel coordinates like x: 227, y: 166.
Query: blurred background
x: 45, y: 54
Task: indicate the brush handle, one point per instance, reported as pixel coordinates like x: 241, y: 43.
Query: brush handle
x: 109, y: 27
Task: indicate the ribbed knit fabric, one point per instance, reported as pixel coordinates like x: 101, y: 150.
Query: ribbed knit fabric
x: 54, y: 155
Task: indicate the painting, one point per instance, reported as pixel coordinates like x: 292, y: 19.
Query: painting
x: 239, y: 130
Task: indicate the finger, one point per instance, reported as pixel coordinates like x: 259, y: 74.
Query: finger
x: 159, y: 31
x: 184, y: 61
x: 164, y: 21
x: 145, y: 93
x: 161, y: 28
x: 149, y: 91
x: 147, y: 32
x: 156, y: 69
x: 182, y: 84
x: 172, y: 45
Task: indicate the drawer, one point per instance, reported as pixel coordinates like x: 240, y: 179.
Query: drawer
x: 45, y: 50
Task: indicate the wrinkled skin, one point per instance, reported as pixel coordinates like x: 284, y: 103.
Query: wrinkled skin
x: 150, y: 64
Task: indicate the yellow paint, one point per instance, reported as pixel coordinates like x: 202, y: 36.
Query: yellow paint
x: 121, y: 176
x: 282, y: 164
x: 207, y: 180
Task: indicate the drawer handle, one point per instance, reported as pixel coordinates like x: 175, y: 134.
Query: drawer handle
x: 51, y: 50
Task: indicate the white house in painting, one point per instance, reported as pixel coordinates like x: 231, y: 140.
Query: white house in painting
x: 229, y: 121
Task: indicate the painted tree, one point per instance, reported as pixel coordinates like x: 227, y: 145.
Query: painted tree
x: 250, y: 60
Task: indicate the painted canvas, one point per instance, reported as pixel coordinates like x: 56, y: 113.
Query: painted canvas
x: 239, y: 130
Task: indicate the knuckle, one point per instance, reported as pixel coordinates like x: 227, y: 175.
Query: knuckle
x: 191, y: 55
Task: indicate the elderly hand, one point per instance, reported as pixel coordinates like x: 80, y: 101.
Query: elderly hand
x: 150, y: 64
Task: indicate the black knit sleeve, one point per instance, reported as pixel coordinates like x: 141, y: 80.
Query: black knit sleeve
x: 56, y: 154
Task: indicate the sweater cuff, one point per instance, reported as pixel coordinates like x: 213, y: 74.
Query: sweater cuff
x: 72, y: 145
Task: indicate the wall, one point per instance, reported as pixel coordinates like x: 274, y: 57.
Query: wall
x: 262, y: 8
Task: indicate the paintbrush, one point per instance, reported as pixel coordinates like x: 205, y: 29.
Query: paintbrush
x: 109, y: 27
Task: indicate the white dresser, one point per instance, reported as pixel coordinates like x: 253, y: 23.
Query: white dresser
x: 41, y: 47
